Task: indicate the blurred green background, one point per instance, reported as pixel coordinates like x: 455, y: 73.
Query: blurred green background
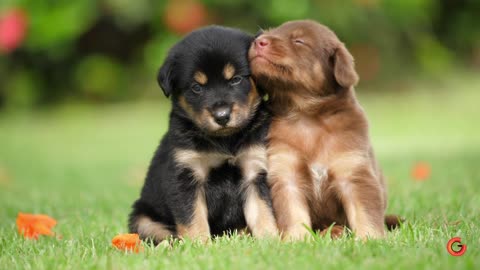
x: 100, y: 51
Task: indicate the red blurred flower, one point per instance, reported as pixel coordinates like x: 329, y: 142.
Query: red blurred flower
x: 13, y: 27
x: 421, y: 171
x: 183, y: 16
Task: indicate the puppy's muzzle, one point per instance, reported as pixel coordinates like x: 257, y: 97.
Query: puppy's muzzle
x: 221, y: 114
x: 261, y: 42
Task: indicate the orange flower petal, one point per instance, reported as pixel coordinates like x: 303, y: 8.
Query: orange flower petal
x: 128, y: 242
x: 31, y: 226
x: 44, y: 219
x: 43, y: 229
x: 421, y: 171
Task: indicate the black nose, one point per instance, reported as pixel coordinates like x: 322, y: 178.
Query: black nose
x: 222, y: 115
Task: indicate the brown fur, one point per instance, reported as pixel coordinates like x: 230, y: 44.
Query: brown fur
x: 309, y: 76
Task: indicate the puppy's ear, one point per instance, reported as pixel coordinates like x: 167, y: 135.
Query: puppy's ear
x: 164, y: 77
x: 344, y: 67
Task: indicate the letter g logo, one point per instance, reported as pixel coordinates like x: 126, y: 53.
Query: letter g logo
x: 455, y: 247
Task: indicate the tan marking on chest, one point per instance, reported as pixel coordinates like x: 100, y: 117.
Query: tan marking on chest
x: 200, y: 162
x: 251, y: 160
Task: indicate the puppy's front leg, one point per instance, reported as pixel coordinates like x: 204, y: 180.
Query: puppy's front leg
x: 257, y: 207
x: 196, y: 227
x: 258, y: 212
x: 190, y: 207
x: 289, y: 202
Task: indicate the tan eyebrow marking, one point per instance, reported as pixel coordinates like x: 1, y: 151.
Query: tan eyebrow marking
x: 200, y: 77
x: 228, y: 71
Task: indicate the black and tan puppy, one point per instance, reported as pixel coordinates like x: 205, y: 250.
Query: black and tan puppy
x: 208, y: 176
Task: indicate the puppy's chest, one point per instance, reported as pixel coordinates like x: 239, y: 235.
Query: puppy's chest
x: 251, y: 161
x: 323, y: 146
x: 308, y: 137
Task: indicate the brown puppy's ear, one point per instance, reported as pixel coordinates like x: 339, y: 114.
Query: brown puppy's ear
x: 344, y: 67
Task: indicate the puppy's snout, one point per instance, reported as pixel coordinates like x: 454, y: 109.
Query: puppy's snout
x: 221, y: 114
x: 261, y: 42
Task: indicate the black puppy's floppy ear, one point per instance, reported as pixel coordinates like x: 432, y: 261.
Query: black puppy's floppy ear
x: 164, y: 77
x: 344, y: 67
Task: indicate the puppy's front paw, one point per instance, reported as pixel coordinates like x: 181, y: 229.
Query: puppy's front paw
x: 194, y: 232
x: 267, y: 231
x: 365, y: 234
x: 296, y: 233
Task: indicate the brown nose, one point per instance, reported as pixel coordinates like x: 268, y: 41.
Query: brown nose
x: 262, y: 42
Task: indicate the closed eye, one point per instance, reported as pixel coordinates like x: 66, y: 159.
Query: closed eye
x: 299, y: 41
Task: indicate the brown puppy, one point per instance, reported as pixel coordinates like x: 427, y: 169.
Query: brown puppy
x: 321, y: 164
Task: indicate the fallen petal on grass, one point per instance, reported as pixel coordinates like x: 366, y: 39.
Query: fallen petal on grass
x: 32, y: 225
x: 128, y: 242
x: 421, y: 171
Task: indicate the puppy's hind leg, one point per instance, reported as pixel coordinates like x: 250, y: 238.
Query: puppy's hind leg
x: 148, y: 223
x: 149, y: 229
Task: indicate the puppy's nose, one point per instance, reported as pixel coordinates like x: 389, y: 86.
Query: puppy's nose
x: 262, y: 42
x: 222, y: 115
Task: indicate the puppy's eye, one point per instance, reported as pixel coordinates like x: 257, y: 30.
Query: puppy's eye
x: 196, y: 88
x: 299, y: 41
x: 236, y: 80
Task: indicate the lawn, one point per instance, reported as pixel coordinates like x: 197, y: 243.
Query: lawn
x: 84, y: 165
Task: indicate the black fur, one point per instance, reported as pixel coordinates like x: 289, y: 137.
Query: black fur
x: 168, y: 193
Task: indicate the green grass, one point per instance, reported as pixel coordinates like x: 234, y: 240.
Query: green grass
x: 85, y: 165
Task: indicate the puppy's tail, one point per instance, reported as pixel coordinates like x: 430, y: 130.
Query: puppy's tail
x: 393, y: 221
